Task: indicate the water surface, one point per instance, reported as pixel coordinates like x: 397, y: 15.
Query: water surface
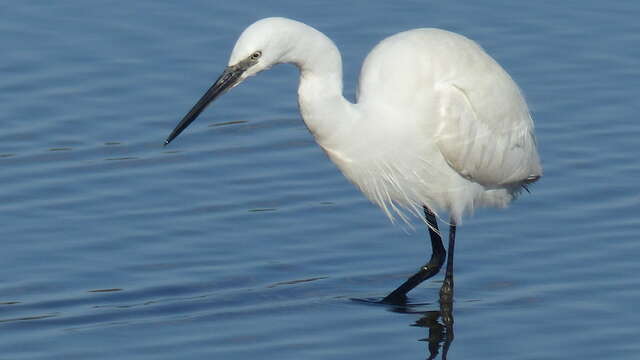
x: 241, y: 240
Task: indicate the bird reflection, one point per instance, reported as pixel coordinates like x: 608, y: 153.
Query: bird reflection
x: 440, y: 327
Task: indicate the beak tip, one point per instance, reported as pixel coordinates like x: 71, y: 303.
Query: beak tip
x: 229, y: 78
x: 170, y: 139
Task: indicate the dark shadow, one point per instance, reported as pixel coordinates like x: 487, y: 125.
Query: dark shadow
x: 439, y: 325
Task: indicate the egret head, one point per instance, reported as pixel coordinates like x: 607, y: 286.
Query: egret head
x: 261, y: 45
x: 267, y: 42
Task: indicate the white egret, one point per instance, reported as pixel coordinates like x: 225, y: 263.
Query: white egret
x: 438, y: 124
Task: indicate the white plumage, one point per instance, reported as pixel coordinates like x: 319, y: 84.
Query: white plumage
x: 437, y: 121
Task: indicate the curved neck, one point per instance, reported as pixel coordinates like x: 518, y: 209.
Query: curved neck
x: 323, y: 107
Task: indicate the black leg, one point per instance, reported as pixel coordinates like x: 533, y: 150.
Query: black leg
x: 431, y: 268
x: 446, y: 291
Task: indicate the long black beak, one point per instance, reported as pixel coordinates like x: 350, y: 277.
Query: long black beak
x: 229, y: 78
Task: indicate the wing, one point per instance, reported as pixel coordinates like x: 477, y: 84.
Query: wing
x: 475, y: 112
x: 486, y: 133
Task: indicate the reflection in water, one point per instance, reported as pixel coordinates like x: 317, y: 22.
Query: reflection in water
x: 104, y: 290
x: 262, y: 209
x: 122, y: 158
x: 28, y: 318
x: 226, y: 123
x: 440, y: 327
x: 292, y: 282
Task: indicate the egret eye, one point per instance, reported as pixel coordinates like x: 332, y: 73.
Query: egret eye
x: 256, y: 55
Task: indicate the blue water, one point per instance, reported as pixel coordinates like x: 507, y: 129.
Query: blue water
x: 241, y: 240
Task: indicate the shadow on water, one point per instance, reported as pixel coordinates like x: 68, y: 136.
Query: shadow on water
x: 438, y: 323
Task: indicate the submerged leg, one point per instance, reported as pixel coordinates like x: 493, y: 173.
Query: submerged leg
x: 446, y: 291
x: 431, y: 268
